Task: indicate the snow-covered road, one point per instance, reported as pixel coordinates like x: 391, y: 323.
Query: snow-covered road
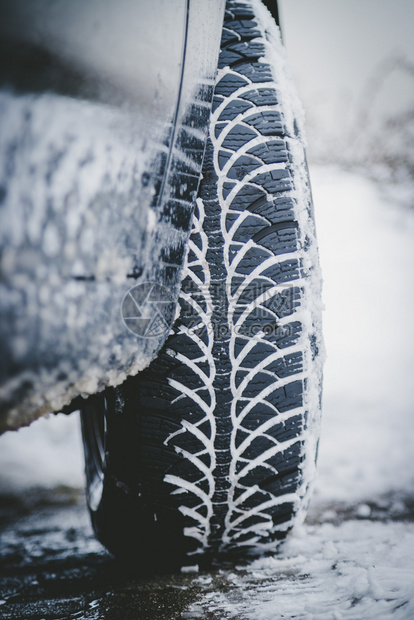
x: 354, y: 556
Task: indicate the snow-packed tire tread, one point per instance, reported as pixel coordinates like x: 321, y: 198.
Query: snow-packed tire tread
x: 223, y: 409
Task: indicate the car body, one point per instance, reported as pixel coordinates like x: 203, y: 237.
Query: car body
x: 104, y: 111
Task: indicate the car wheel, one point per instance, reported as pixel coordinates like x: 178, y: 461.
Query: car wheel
x: 211, y: 450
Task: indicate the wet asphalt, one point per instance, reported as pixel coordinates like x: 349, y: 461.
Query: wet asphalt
x: 51, y: 566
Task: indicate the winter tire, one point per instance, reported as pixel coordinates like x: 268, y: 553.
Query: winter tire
x: 212, y: 448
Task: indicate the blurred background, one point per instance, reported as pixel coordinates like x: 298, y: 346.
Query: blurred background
x: 353, y: 64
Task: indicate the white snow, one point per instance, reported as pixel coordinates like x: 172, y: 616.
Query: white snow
x: 356, y: 571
